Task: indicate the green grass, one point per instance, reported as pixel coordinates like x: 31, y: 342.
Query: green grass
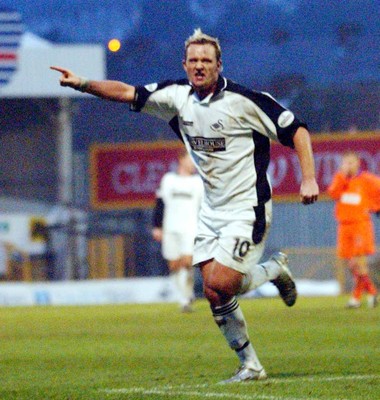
x: 315, y: 350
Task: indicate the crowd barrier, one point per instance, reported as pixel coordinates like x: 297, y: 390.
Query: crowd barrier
x: 126, y: 290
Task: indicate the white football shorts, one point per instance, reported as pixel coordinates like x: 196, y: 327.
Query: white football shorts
x: 177, y: 244
x: 235, y: 238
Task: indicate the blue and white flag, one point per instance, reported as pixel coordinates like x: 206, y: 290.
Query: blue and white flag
x: 11, y: 30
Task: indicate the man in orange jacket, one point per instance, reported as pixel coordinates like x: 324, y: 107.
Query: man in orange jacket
x: 357, y: 194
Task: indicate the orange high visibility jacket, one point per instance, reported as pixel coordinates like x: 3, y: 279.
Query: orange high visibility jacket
x: 356, y: 196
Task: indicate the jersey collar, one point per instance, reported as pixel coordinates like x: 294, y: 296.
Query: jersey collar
x: 220, y: 86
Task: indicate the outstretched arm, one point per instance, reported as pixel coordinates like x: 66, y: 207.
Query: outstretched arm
x: 109, y: 90
x: 309, y: 188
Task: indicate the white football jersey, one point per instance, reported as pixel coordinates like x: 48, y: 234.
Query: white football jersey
x: 182, y: 196
x: 227, y: 134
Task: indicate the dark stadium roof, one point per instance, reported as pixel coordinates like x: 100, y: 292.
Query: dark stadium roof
x: 325, y: 41
x: 320, y: 58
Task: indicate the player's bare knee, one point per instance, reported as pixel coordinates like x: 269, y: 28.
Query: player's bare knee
x: 211, y: 295
x: 186, y: 261
x: 220, y: 289
x: 174, y: 265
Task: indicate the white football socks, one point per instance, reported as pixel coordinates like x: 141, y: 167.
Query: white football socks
x: 259, y: 274
x: 231, y: 322
x: 184, y: 281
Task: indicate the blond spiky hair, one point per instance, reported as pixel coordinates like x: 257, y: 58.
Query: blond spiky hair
x: 198, y: 37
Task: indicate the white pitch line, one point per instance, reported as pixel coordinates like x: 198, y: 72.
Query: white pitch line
x: 325, y: 379
x: 286, y: 380
x: 188, y: 390
x: 174, y: 393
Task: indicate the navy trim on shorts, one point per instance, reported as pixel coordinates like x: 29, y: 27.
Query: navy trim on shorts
x: 259, y: 225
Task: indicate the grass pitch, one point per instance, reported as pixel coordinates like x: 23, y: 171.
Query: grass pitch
x: 315, y: 350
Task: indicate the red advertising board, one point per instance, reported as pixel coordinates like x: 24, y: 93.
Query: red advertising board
x: 128, y: 175
x: 285, y: 170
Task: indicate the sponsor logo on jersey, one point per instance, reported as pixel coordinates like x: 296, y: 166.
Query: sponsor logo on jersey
x: 11, y: 30
x: 209, y: 145
x: 285, y: 119
x: 184, y: 195
x: 353, y: 199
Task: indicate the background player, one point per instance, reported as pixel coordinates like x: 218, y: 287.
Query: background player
x: 175, y: 224
x: 357, y: 194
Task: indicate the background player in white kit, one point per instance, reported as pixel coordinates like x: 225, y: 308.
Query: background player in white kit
x: 175, y: 224
x: 227, y: 129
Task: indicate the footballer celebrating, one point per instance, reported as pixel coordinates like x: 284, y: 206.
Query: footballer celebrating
x: 227, y: 129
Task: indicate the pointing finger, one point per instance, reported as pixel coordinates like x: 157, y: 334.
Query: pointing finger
x: 59, y: 69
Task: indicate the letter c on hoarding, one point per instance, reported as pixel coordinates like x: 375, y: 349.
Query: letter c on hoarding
x: 125, y: 178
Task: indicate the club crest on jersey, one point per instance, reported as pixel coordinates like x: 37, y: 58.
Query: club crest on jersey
x: 11, y: 30
x: 217, y: 126
x: 210, y: 145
